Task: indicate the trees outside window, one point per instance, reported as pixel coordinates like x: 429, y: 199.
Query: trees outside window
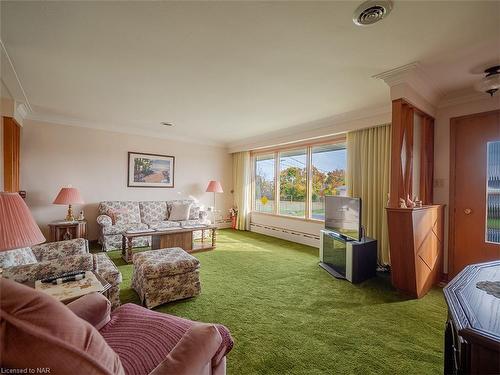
x: 293, y: 182
x: 264, y: 183
x: 304, y: 177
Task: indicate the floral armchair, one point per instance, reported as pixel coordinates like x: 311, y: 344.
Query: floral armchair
x: 54, y: 258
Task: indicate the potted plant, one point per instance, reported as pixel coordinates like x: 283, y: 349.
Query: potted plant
x: 233, y: 213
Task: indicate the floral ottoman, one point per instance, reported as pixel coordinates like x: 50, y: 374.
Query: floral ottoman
x: 165, y: 275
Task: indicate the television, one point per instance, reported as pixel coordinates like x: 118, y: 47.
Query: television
x: 343, y: 216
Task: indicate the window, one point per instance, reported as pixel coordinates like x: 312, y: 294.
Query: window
x: 493, y: 193
x: 294, y: 181
x: 264, y: 183
x: 328, y: 176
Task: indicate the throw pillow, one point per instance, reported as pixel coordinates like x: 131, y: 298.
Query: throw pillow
x: 194, y: 213
x: 36, y: 323
x: 121, y: 216
x: 180, y: 211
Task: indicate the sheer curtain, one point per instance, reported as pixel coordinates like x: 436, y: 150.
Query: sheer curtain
x: 368, y: 174
x: 242, y: 188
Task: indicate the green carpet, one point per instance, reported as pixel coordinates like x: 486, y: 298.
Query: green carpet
x: 288, y: 316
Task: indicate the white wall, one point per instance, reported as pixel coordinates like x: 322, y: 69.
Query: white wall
x: 442, y: 150
x: 95, y: 161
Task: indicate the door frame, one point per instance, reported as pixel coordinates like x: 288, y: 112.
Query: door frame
x: 451, y: 213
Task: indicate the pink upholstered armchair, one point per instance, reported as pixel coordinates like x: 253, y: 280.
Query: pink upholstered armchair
x: 85, y: 337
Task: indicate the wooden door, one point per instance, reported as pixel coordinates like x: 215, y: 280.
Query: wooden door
x: 473, y: 187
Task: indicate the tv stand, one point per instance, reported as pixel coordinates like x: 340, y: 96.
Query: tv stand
x: 354, y: 261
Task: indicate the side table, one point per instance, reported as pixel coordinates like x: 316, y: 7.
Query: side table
x: 67, y: 230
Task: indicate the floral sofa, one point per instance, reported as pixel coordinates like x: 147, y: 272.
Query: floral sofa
x: 54, y: 258
x: 116, y: 217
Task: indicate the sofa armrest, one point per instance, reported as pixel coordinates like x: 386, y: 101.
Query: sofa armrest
x: 49, y: 268
x: 193, y: 353
x: 93, y: 308
x: 60, y: 249
x: 104, y: 221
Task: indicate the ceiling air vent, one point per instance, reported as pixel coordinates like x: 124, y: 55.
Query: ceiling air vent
x: 371, y: 12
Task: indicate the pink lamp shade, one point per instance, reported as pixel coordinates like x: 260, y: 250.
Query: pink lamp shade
x: 18, y: 227
x: 69, y: 195
x: 214, y: 187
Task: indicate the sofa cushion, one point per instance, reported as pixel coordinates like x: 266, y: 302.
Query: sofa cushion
x: 164, y: 224
x: 17, y: 257
x: 107, y: 269
x: 36, y: 323
x: 188, y: 223
x: 163, y: 262
x: 155, y: 335
x: 153, y: 211
x: 120, y: 228
x: 106, y: 208
x: 179, y: 211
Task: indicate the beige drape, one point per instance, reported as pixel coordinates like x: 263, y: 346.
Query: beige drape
x: 368, y: 174
x: 242, y: 188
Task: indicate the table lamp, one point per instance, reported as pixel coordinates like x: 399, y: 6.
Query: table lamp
x: 214, y: 187
x: 69, y: 195
x: 18, y: 227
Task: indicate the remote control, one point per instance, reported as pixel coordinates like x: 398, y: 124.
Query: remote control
x: 66, y: 274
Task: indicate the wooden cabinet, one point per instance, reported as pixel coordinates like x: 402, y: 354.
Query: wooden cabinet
x: 416, y: 238
x: 67, y: 230
x: 472, y: 336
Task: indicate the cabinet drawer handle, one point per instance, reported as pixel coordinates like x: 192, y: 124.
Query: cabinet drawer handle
x: 467, y: 211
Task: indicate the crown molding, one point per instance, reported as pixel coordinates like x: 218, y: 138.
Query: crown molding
x: 463, y: 96
x: 316, y: 130
x: 39, y: 116
x: 12, y: 81
x: 413, y: 75
x: 21, y: 112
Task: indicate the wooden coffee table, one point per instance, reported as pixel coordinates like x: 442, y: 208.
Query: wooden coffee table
x: 176, y: 237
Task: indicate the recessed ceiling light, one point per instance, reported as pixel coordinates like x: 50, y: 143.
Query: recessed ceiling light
x: 166, y: 123
x: 371, y: 11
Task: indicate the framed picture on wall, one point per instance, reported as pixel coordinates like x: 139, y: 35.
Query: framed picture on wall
x: 150, y: 170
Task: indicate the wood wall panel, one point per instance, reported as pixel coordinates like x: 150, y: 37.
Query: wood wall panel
x: 11, y: 154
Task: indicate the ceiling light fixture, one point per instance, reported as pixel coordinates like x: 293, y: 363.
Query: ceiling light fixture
x: 491, y: 81
x: 371, y: 11
x: 166, y: 123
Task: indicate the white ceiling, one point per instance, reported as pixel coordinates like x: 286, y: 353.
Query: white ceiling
x: 226, y: 71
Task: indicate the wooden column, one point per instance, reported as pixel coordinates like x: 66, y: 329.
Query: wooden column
x: 415, y: 234
x: 427, y: 161
x: 401, y: 152
x: 11, y: 154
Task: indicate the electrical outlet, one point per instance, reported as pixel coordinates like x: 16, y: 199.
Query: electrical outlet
x: 439, y: 182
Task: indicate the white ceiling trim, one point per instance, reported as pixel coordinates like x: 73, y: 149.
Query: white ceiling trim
x: 16, y: 76
x: 64, y: 120
x: 462, y: 97
x: 334, y: 125
x: 413, y: 75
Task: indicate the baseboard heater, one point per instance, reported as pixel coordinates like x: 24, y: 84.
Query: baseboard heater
x: 285, y: 231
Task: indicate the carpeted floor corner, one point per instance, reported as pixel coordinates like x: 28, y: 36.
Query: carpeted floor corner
x: 288, y: 316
